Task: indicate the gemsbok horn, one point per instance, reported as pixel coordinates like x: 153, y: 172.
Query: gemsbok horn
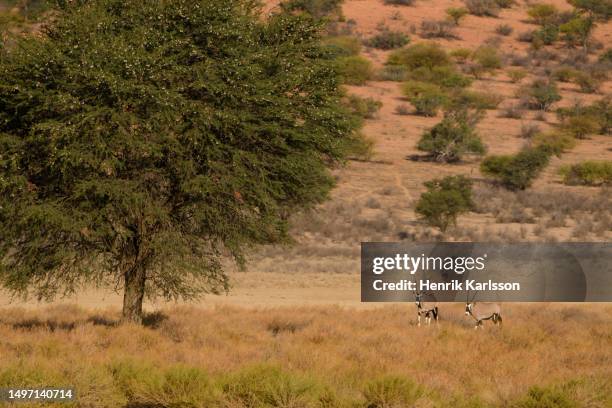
x: 426, y: 309
x: 482, y: 311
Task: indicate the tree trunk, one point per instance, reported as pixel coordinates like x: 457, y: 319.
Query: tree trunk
x: 133, y: 294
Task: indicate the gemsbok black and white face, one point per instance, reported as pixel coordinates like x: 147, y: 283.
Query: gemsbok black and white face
x: 468, y: 309
x: 424, y: 308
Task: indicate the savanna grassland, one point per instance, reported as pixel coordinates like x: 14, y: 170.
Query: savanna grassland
x: 314, y: 357
x: 292, y: 332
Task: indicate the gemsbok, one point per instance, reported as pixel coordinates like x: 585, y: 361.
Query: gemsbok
x: 424, y: 308
x: 483, y: 311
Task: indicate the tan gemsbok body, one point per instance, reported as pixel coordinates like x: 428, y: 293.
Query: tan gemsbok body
x: 483, y: 311
x: 426, y: 309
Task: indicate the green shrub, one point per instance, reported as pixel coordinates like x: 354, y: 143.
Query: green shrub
x: 354, y: 70
x: 426, y: 54
x: 516, y: 75
x: 546, y: 35
x: 541, y: 94
x: 564, y: 74
x: 487, y: 57
x: 455, y: 14
x: 342, y: 46
x: 504, y: 29
x: 178, y: 386
x: 461, y: 55
x: 391, y: 391
x: 365, y: 108
x: 542, y: 13
x: 397, y: 73
x: 581, y: 126
x: 517, y: 172
x: 576, y: 32
x: 453, y: 137
x: 483, y: 8
x: 601, y: 111
x: 269, y: 386
x: 316, y: 8
x: 387, y: 40
x: 443, y: 201
x: 426, y: 98
x: 446, y: 76
x: 555, y: 142
x: 589, y: 173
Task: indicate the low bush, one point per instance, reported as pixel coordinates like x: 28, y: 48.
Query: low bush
x: 387, y: 40
x: 365, y: 108
x: 402, y: 110
x: 512, y: 112
x: 453, y: 137
x: 542, y: 13
x: 478, y: 99
x: 516, y: 75
x: 540, y: 94
x: 555, y: 141
x: 483, y: 8
x: 427, y: 54
x: 517, y: 172
x: 461, y: 55
x: 342, y: 46
x: 269, y: 386
x: 546, y: 35
x: 316, y: 8
x: 586, y: 82
x: 581, y: 126
x: 564, y: 74
x: 455, y: 14
x: 504, y: 29
x: 538, y: 397
x: 437, y: 29
x: 443, y: 201
x: 600, y: 112
x: 487, y: 57
x: 426, y: 98
x: 446, y: 76
x: 396, y: 73
x: 354, y: 70
x: 606, y: 56
x: 529, y: 130
x: 588, y: 173
x: 391, y: 391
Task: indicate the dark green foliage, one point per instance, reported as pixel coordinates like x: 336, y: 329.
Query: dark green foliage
x: 546, y: 35
x: 444, y: 200
x: 517, y: 172
x: 387, y: 40
x: 541, y: 94
x: 316, y: 8
x: 427, y: 55
x: 140, y: 140
x: 453, y: 137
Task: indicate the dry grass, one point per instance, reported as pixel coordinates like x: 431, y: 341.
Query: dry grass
x: 343, y: 356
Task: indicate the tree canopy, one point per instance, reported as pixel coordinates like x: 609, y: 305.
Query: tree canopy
x: 141, y: 141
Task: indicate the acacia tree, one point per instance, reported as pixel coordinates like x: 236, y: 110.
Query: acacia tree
x: 143, y: 141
